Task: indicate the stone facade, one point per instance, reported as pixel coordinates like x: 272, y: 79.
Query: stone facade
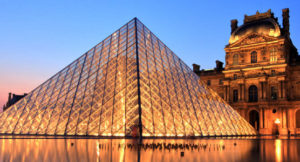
x: 261, y: 79
x: 12, y: 99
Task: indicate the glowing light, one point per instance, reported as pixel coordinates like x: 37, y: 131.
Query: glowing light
x: 122, y: 153
x: 119, y: 134
x: 277, y: 121
x: 98, y: 150
x: 221, y: 142
x: 278, y: 150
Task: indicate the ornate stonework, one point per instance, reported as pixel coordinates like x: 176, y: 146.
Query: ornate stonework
x: 261, y: 78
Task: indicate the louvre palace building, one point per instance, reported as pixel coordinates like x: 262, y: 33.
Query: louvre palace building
x: 261, y: 77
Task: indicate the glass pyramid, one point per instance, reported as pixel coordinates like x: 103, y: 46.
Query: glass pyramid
x: 130, y: 84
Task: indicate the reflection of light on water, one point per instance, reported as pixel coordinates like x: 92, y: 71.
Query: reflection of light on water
x: 221, y: 143
x: 122, y: 155
x: 98, y: 151
x: 278, y: 149
x: 152, y: 150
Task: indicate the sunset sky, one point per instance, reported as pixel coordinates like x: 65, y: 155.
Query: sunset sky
x: 39, y: 38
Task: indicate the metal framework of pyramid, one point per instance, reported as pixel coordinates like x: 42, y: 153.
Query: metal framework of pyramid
x: 130, y: 84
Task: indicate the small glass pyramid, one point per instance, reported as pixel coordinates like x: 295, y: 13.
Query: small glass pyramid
x: 130, y: 84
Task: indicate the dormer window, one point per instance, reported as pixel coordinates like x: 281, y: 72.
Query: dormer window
x: 254, y: 57
x: 235, y: 59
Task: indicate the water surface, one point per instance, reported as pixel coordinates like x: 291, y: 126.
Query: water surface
x: 150, y: 150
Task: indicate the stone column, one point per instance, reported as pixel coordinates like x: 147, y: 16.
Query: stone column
x: 225, y: 95
x: 240, y: 92
x: 261, y: 118
x: 279, y: 90
x: 228, y: 92
x: 265, y: 90
x: 267, y: 113
x: 243, y: 93
x: 283, y: 90
x: 262, y: 90
x: 246, y: 97
x: 260, y: 95
x: 284, y: 123
x: 283, y: 130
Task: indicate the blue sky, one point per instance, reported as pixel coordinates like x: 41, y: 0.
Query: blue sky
x: 39, y: 38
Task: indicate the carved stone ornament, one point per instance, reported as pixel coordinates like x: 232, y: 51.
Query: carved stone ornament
x: 252, y: 39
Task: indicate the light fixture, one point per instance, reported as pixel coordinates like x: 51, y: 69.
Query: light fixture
x: 277, y: 121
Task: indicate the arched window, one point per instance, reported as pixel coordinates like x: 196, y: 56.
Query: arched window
x: 253, y: 93
x: 235, y: 59
x: 235, y: 95
x: 254, y: 119
x: 254, y: 57
x: 298, y: 119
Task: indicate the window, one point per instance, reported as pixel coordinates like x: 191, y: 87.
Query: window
x: 235, y: 95
x: 220, y: 82
x: 273, y: 72
x: 234, y: 76
x: 235, y: 59
x: 253, y: 93
x: 273, y: 93
x: 298, y: 119
x: 254, y: 57
x: 273, y: 55
x: 208, y: 82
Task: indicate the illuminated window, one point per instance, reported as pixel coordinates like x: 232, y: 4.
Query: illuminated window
x: 273, y: 55
x: 253, y: 93
x: 254, y: 57
x: 235, y: 95
x: 235, y: 59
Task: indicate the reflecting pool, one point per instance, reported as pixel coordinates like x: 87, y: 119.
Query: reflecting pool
x: 152, y: 150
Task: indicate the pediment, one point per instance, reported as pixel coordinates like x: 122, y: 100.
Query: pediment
x: 252, y: 38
